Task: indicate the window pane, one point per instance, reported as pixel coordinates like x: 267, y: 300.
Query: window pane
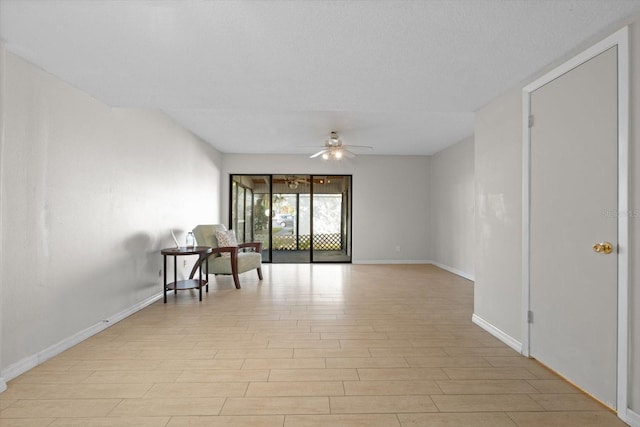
x: 250, y: 209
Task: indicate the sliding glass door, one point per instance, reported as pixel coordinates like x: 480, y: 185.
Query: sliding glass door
x: 250, y: 210
x: 332, y: 219
x: 290, y: 225
x: 298, y: 218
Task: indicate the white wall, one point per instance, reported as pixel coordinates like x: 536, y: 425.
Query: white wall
x: 390, y: 199
x: 498, y: 250
x: 89, y: 194
x: 498, y: 169
x: 452, y: 235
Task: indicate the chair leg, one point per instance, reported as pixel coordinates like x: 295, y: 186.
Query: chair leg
x: 236, y: 280
x: 234, y: 268
x: 260, y: 273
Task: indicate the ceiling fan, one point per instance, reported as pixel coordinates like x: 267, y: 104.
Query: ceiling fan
x: 293, y: 181
x: 335, y: 149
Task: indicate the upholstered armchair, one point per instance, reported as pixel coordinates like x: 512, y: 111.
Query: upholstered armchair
x: 228, y: 257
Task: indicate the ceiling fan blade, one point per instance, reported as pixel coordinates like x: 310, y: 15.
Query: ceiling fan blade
x: 318, y: 153
x: 348, y: 153
x: 368, y: 147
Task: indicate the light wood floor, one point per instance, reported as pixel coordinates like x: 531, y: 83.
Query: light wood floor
x: 312, y: 345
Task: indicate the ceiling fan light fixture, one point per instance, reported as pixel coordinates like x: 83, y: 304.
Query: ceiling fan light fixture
x: 334, y: 149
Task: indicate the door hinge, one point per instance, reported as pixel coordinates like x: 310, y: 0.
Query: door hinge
x: 530, y: 316
x: 531, y: 121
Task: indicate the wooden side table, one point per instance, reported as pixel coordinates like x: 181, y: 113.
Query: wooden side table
x: 203, y: 252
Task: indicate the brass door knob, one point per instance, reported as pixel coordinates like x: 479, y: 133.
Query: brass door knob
x: 603, y: 248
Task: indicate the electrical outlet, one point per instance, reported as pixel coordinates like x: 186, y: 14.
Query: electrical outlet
x: 397, y: 248
x: 184, y: 263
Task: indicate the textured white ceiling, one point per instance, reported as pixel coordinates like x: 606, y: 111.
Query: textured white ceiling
x: 277, y: 76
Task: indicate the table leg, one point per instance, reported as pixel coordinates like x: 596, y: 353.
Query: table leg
x: 175, y: 275
x: 200, y: 278
x: 164, y: 257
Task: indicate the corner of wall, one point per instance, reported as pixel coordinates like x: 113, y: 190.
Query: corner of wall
x: 458, y: 272
x: 632, y: 418
x: 498, y: 333
x: 451, y: 222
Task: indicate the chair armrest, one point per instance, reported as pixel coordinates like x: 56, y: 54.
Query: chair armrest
x: 257, y: 246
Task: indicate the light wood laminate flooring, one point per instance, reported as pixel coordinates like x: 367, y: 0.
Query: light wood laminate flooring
x: 311, y: 345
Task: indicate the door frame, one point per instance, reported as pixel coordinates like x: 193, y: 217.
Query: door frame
x: 348, y: 207
x: 621, y: 40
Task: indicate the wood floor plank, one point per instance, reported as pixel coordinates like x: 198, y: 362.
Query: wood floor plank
x: 309, y: 346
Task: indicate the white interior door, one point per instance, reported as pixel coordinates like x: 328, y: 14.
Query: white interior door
x: 573, y: 193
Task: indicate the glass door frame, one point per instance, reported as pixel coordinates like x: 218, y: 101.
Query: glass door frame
x: 345, y: 214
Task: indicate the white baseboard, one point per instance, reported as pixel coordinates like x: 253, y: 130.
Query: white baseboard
x: 454, y: 271
x: 632, y: 418
x: 416, y: 261
x: 30, y: 362
x: 501, y: 335
x: 390, y: 261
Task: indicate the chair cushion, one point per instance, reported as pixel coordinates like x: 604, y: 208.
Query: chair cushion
x: 226, y: 238
x: 246, y: 261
